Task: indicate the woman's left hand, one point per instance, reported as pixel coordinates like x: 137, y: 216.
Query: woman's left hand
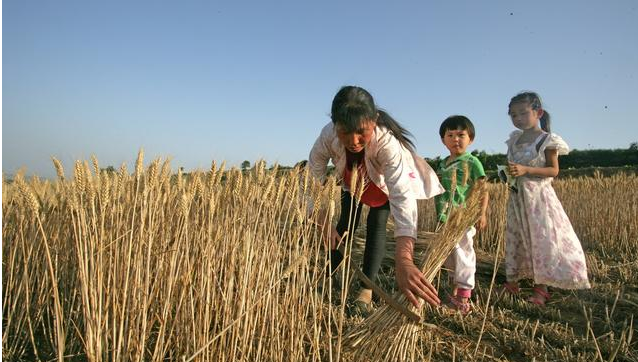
x: 516, y: 169
x: 414, y: 285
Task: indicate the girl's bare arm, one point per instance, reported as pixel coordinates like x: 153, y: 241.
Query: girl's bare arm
x: 550, y: 170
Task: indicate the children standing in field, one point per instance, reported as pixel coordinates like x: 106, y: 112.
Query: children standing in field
x: 364, y: 137
x: 540, y: 243
x: 457, y: 173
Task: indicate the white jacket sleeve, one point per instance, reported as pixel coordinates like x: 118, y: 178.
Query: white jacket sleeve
x: 403, y: 205
x: 320, y: 156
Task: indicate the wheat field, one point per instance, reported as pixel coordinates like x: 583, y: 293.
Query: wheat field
x: 223, y: 265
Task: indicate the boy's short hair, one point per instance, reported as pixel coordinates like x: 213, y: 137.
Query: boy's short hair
x: 453, y: 123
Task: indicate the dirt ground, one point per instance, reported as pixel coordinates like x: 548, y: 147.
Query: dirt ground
x: 585, y: 325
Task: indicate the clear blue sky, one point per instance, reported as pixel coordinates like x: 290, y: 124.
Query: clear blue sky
x: 242, y: 80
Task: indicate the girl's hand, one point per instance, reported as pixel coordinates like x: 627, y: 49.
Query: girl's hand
x: 516, y: 169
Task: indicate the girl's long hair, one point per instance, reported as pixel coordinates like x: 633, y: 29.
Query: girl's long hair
x: 534, y: 100
x: 353, y: 105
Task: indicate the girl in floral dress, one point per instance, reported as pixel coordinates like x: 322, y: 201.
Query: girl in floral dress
x: 540, y: 243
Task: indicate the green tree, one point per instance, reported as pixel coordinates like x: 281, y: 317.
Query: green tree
x: 245, y: 165
x: 110, y: 169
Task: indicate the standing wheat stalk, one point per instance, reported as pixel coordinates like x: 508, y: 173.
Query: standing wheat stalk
x: 58, y: 316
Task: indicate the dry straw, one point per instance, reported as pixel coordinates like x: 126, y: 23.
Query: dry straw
x: 388, y: 335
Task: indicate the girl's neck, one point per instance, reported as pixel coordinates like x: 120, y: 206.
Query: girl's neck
x: 532, y: 131
x: 529, y: 135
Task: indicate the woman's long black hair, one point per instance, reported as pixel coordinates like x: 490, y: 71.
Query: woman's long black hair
x: 353, y: 105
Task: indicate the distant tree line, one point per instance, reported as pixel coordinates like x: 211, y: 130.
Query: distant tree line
x: 575, y: 158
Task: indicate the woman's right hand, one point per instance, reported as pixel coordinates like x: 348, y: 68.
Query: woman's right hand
x: 334, y: 238
x: 329, y: 232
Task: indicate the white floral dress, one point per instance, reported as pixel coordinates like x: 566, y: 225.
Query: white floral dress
x: 540, y: 243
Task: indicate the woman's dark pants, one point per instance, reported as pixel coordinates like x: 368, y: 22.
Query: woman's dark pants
x: 375, y: 234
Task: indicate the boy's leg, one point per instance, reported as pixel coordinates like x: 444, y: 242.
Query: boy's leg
x: 465, y: 264
x: 450, y: 266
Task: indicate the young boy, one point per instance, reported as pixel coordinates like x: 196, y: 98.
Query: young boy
x: 457, y: 173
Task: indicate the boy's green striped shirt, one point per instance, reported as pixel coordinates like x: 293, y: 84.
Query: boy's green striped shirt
x: 456, y: 178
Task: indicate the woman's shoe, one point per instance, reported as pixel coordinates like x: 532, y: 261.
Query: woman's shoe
x: 362, y: 305
x: 360, y: 308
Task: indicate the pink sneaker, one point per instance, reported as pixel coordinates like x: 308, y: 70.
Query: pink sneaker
x: 457, y: 304
x: 508, y: 288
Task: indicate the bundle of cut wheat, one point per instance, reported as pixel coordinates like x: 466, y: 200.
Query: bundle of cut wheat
x: 388, y: 335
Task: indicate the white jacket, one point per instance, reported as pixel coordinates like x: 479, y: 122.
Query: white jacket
x: 399, y: 173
